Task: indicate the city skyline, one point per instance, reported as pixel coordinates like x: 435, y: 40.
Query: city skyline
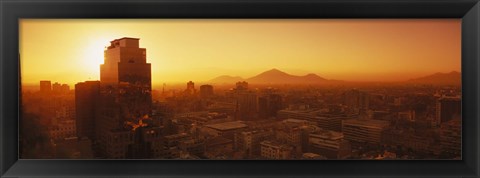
x: 291, y: 117
x: 211, y: 48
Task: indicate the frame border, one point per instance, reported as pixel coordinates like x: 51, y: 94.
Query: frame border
x: 11, y: 11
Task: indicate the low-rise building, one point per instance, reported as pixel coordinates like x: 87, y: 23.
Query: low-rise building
x: 364, y: 130
x: 275, y: 150
x: 330, y: 144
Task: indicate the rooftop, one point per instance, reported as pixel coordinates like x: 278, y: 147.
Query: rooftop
x: 328, y: 134
x: 125, y: 38
x: 366, y: 122
x: 227, y: 125
x: 275, y: 144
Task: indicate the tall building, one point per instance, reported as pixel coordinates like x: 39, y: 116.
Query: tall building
x: 86, y: 96
x: 190, y: 88
x: 58, y: 88
x: 247, y: 105
x: 126, y: 67
x: 45, y: 86
x: 269, y: 105
x: 124, y: 126
x: 206, y: 91
x: 448, y: 108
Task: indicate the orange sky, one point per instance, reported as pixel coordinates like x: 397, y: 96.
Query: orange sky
x: 70, y: 51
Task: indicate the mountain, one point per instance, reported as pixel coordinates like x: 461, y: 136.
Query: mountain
x: 451, y: 78
x: 226, y: 79
x: 275, y: 76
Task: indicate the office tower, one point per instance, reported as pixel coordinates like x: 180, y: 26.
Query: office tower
x: 45, y: 86
x: 269, y: 105
x: 190, y: 88
x: 247, y: 105
x: 125, y: 67
x: 64, y: 88
x: 448, y: 108
x: 206, y: 91
x: 124, y: 126
x: 86, y: 105
x: 56, y: 88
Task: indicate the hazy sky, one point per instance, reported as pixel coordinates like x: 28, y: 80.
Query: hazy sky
x: 71, y: 51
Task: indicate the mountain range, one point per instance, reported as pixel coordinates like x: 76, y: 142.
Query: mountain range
x: 275, y: 76
x: 451, y: 78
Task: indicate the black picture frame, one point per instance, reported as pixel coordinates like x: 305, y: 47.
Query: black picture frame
x: 11, y: 11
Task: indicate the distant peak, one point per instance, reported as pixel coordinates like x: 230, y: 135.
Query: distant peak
x: 274, y: 70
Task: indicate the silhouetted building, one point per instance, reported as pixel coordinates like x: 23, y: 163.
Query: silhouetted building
x: 56, y: 87
x: 206, y: 91
x: 241, y: 86
x: 45, y: 86
x: 247, y: 106
x: 123, y: 126
x: 86, y: 105
x: 448, y: 108
x: 190, y: 88
x: 269, y: 105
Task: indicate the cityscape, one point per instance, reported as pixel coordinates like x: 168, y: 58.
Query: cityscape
x: 271, y: 115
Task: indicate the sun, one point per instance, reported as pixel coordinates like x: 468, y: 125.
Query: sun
x: 93, y: 57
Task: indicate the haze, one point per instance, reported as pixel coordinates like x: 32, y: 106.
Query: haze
x: 70, y: 51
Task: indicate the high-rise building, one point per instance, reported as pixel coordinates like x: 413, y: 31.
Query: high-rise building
x: 86, y: 96
x: 448, y: 108
x: 45, y: 86
x: 206, y: 91
x: 190, y: 88
x: 124, y: 126
x: 57, y: 88
x: 269, y: 105
x: 247, y: 105
x: 125, y: 67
